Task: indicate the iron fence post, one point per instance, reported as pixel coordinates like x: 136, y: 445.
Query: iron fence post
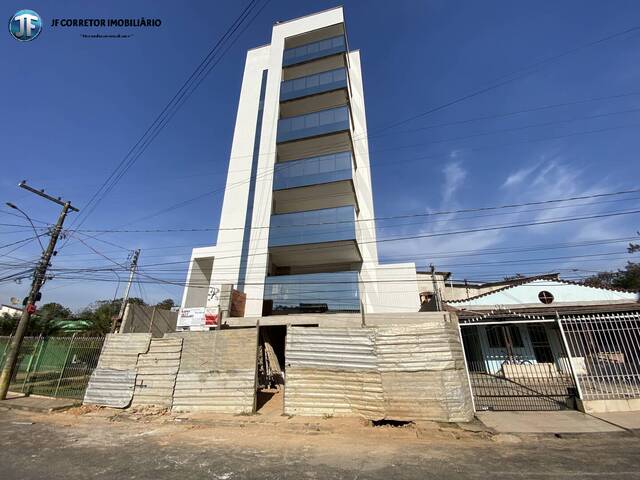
x: 35, y: 352
x: 4, y: 352
x: 566, y: 347
x: 64, y: 366
x: 466, y: 367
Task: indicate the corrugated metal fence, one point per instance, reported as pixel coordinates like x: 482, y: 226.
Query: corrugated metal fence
x: 413, y: 372
x: 54, y: 366
x: 112, y: 382
x: 217, y: 371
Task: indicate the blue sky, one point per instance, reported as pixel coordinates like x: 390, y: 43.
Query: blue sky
x: 73, y: 107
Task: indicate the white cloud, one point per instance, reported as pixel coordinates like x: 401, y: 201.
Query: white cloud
x: 517, y: 177
x: 454, y: 176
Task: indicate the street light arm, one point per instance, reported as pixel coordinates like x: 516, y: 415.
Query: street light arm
x: 15, y: 207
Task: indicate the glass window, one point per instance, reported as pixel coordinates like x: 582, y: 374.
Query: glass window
x: 299, y: 83
x: 315, y: 226
x: 297, y: 123
x: 313, y: 81
x: 284, y: 126
x: 516, y: 338
x: 325, y: 117
x: 325, y: 78
x: 322, y: 292
x: 495, y: 337
x: 312, y: 120
x: 341, y: 114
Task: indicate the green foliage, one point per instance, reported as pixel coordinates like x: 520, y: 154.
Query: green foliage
x: 626, y: 279
x: 166, y: 304
x: 56, y: 319
x: 43, y: 322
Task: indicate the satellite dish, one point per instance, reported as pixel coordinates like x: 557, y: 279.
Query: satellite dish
x: 14, y: 301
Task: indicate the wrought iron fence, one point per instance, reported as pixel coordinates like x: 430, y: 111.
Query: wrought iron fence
x: 54, y: 366
x: 518, y: 366
x: 605, y: 354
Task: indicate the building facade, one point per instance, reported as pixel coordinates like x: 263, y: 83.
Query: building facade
x: 297, y: 230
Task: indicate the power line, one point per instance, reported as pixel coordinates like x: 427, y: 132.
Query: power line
x: 395, y: 161
x: 511, y: 77
x: 390, y: 217
x: 157, y: 124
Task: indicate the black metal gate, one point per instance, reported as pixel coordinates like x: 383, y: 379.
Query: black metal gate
x: 518, y: 366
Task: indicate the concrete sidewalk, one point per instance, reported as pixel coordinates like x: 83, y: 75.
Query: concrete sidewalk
x: 567, y: 421
x: 628, y: 420
x: 35, y: 403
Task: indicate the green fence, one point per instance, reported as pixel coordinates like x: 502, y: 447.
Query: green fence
x: 54, y: 366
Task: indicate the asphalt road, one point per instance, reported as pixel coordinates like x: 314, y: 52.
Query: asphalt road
x: 63, y: 446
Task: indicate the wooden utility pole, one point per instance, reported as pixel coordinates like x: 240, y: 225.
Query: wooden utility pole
x: 39, y: 277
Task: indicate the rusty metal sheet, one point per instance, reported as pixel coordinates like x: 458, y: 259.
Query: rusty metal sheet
x: 110, y: 388
x: 157, y: 370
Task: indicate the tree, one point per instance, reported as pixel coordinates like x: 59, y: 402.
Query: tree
x: 626, y: 279
x: 7, y: 324
x: 99, y: 315
x: 46, y: 320
x: 166, y: 304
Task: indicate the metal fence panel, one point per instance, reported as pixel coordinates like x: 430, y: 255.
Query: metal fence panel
x: 120, y: 351
x: 518, y: 366
x: 395, y: 372
x: 217, y: 371
x: 605, y: 354
x: 157, y: 370
x: 332, y: 371
x: 110, y: 388
x: 54, y: 366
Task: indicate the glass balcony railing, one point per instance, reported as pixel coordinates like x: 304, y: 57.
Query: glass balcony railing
x: 313, y: 124
x: 313, y: 84
x: 313, y: 171
x: 311, y: 51
x: 313, y: 226
x: 313, y: 293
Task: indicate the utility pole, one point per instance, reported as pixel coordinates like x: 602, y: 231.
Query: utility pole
x: 117, y: 321
x: 39, y: 277
x: 436, y: 290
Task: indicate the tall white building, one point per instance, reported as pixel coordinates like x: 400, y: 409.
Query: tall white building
x: 297, y: 230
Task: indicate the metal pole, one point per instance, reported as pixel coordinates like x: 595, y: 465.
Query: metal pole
x: 466, y: 367
x: 566, y: 346
x: 436, y: 290
x: 134, y: 263
x: 35, y: 353
x: 4, y: 351
x: 38, y: 280
x: 153, y: 315
x: 64, y: 365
